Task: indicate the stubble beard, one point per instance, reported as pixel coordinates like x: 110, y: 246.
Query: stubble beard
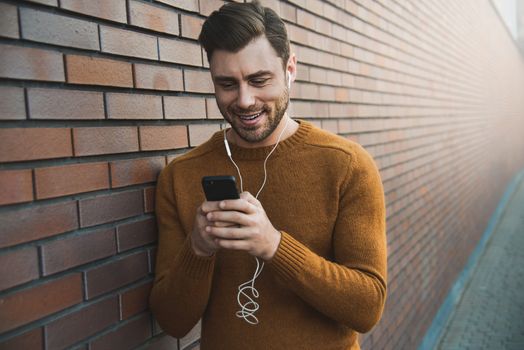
x: 258, y: 133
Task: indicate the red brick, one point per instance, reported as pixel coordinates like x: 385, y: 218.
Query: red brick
x: 153, y: 17
x: 201, y: 133
x: 128, y: 43
x: 135, y: 300
x: 12, y: 103
x: 81, y: 324
x: 16, y: 186
x: 9, y: 21
x: 207, y: 7
x: 191, y: 26
x: 70, y: 179
x: 183, y: 107
x: 17, y: 267
x: 127, y: 336
x: 134, y: 106
x: 59, y: 30
x: 136, y: 234
x: 136, y: 171
x: 212, y: 109
x: 116, y: 274
x: 149, y: 199
x: 98, y: 71
x: 158, y: 77
x: 113, y: 10
x: 112, y: 207
x: 70, y: 252
x: 189, y: 5
x: 29, y: 224
x: 31, y: 64
x: 162, y: 137
x: 198, y: 81
x: 34, y: 143
x: 39, y: 301
x: 178, y: 51
x: 105, y: 140
x: 33, y: 339
x: 65, y: 104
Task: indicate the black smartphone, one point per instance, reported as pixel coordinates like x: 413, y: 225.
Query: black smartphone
x: 217, y: 188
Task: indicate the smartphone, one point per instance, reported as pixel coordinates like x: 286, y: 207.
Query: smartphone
x: 217, y: 188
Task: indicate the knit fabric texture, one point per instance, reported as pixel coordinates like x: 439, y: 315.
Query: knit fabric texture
x: 327, y: 280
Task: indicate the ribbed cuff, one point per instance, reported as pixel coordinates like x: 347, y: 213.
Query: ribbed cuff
x: 289, y: 257
x: 194, y: 266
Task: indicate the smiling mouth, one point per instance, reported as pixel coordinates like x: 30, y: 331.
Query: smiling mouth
x: 250, y: 116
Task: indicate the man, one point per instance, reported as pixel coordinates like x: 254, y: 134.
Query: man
x: 312, y: 210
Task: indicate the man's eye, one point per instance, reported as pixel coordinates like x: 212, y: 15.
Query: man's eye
x: 227, y: 86
x: 259, y: 82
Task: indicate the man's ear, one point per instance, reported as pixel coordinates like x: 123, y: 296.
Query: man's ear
x: 291, y: 69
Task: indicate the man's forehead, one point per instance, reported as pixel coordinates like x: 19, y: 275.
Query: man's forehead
x: 256, y: 56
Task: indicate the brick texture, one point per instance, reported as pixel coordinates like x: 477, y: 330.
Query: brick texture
x: 128, y: 43
x: 16, y: 186
x: 33, y: 339
x: 59, y: 30
x: 65, y: 253
x: 12, y: 103
x: 180, y: 107
x: 9, y: 21
x: 90, y: 141
x: 36, y: 222
x: 17, y: 267
x: 97, y: 96
x: 109, y: 208
x: 98, y: 71
x: 128, y: 336
x: 135, y: 300
x: 18, y: 144
x: 70, y: 179
x: 65, y: 104
x: 134, y: 106
x: 41, y: 300
x: 31, y: 64
x: 135, y: 171
x: 113, y: 10
x: 178, y: 51
x: 158, y: 77
x: 79, y: 325
x: 136, y: 234
x: 153, y: 17
x: 116, y: 274
x: 162, y: 137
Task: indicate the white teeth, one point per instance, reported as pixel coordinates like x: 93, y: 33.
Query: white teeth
x: 249, y: 117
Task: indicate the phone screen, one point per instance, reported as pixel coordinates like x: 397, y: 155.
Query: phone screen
x: 217, y: 188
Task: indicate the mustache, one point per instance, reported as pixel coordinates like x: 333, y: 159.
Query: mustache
x: 255, y: 109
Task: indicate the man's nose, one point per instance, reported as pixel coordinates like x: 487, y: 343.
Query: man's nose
x: 246, y: 97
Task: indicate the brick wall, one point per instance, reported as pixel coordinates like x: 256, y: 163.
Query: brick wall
x: 97, y: 96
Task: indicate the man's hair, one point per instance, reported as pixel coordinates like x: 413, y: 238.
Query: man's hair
x: 235, y: 25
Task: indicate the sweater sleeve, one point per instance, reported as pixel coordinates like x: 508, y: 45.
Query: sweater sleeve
x: 177, y: 309
x: 351, y: 289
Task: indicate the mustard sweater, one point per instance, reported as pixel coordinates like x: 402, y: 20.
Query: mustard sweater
x: 327, y: 280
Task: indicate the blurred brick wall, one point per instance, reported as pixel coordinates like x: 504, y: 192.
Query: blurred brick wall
x: 97, y: 96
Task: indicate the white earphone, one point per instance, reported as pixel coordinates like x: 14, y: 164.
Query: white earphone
x: 288, y: 81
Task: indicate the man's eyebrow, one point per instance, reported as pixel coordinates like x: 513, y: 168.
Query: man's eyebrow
x: 250, y: 76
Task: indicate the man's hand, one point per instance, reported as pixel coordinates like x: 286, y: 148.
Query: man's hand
x: 240, y: 224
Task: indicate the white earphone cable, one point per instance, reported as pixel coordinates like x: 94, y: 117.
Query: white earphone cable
x: 250, y: 306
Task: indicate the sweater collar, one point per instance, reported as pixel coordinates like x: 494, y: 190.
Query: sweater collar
x: 238, y: 152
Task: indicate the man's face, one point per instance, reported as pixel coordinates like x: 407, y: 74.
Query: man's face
x: 251, y: 91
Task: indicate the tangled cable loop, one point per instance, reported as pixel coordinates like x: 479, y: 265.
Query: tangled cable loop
x: 250, y: 306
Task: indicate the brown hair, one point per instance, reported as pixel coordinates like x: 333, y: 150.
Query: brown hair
x: 235, y: 25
